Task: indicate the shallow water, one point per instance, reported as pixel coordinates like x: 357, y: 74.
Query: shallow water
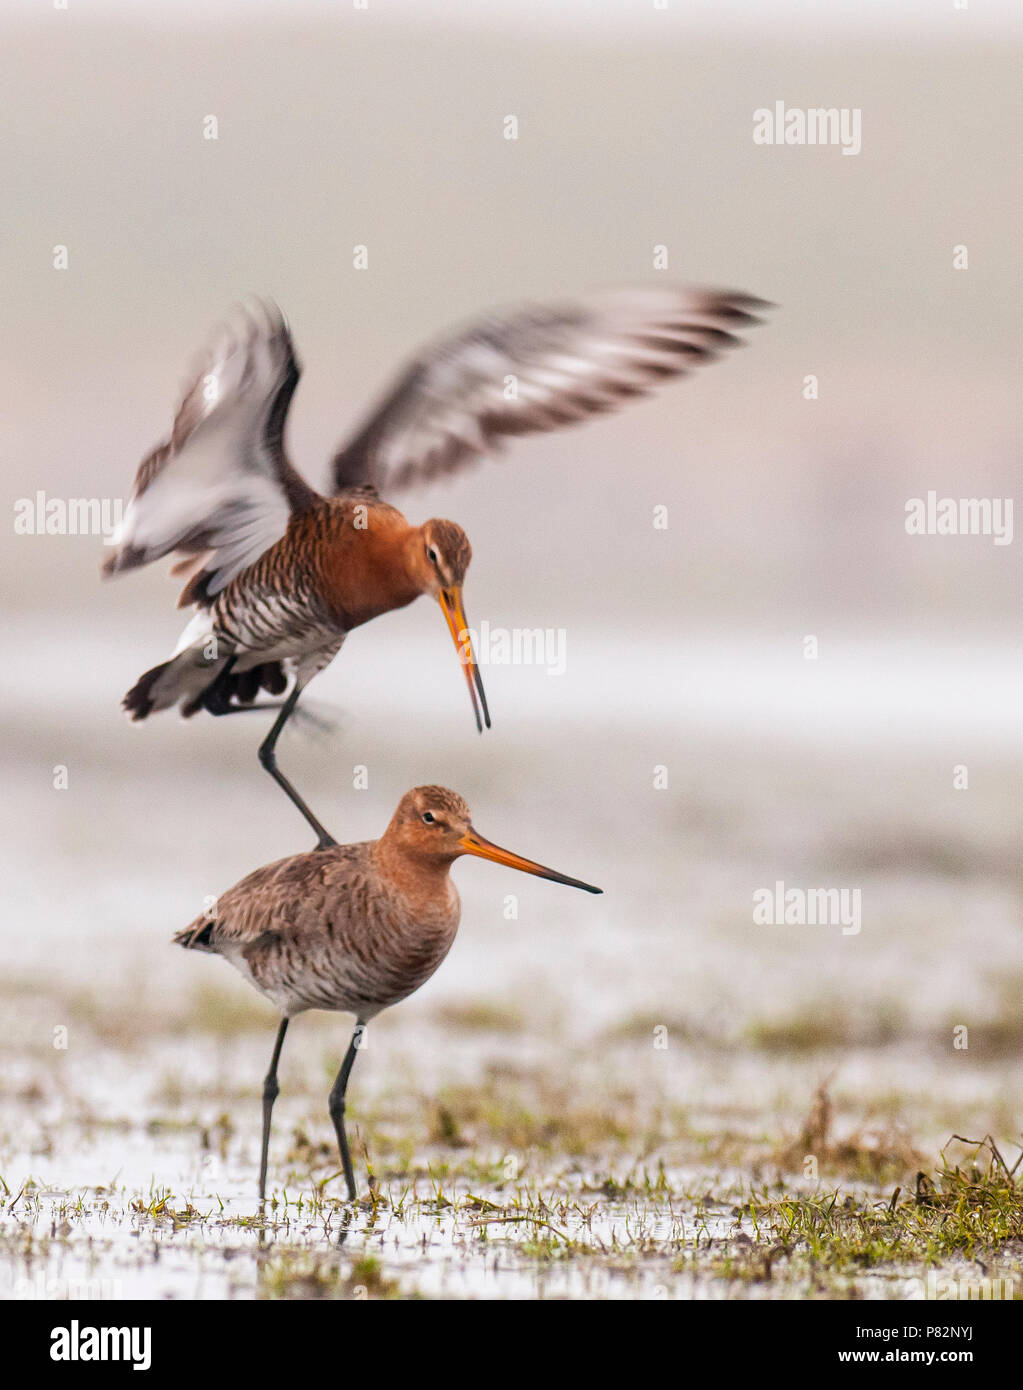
x: 655, y: 1037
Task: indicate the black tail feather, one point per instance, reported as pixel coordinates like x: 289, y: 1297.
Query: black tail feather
x: 233, y: 688
x: 138, y: 702
x: 228, y: 690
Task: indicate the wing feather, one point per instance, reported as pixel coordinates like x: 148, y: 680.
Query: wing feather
x: 221, y: 487
x: 536, y: 368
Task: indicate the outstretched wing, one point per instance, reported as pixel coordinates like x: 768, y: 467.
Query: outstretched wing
x: 220, y: 490
x: 537, y: 368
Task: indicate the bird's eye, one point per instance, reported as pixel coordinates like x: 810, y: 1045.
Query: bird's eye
x: 428, y: 817
x: 431, y: 555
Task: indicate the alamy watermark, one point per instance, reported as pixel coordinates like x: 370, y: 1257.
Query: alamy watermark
x: 68, y: 516
x: 78, y: 1343
x: 815, y: 125
x: 808, y: 907
x: 516, y: 646
x: 961, y: 1288
x: 960, y: 516
x: 55, y: 1288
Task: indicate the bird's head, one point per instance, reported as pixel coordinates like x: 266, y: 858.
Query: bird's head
x: 439, y: 559
x: 434, y: 824
x: 446, y: 552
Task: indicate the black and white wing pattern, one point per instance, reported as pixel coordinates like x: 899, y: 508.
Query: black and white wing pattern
x: 220, y: 490
x: 538, y: 367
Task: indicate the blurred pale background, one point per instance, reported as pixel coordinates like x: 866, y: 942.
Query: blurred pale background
x: 383, y: 127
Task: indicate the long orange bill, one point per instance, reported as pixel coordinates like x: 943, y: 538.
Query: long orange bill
x: 474, y: 843
x: 458, y: 625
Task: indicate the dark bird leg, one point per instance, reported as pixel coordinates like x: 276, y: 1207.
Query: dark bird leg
x: 337, y: 1107
x: 270, y: 1089
x: 268, y: 758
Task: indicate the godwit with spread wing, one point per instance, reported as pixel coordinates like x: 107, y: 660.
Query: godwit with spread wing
x: 351, y: 928
x: 279, y: 574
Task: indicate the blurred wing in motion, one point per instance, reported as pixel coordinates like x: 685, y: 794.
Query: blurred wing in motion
x: 220, y: 491
x: 536, y: 368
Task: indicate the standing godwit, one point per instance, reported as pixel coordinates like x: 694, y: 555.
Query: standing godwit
x: 352, y: 928
x: 278, y: 574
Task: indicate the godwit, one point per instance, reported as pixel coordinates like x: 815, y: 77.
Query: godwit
x: 352, y: 928
x: 279, y: 574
